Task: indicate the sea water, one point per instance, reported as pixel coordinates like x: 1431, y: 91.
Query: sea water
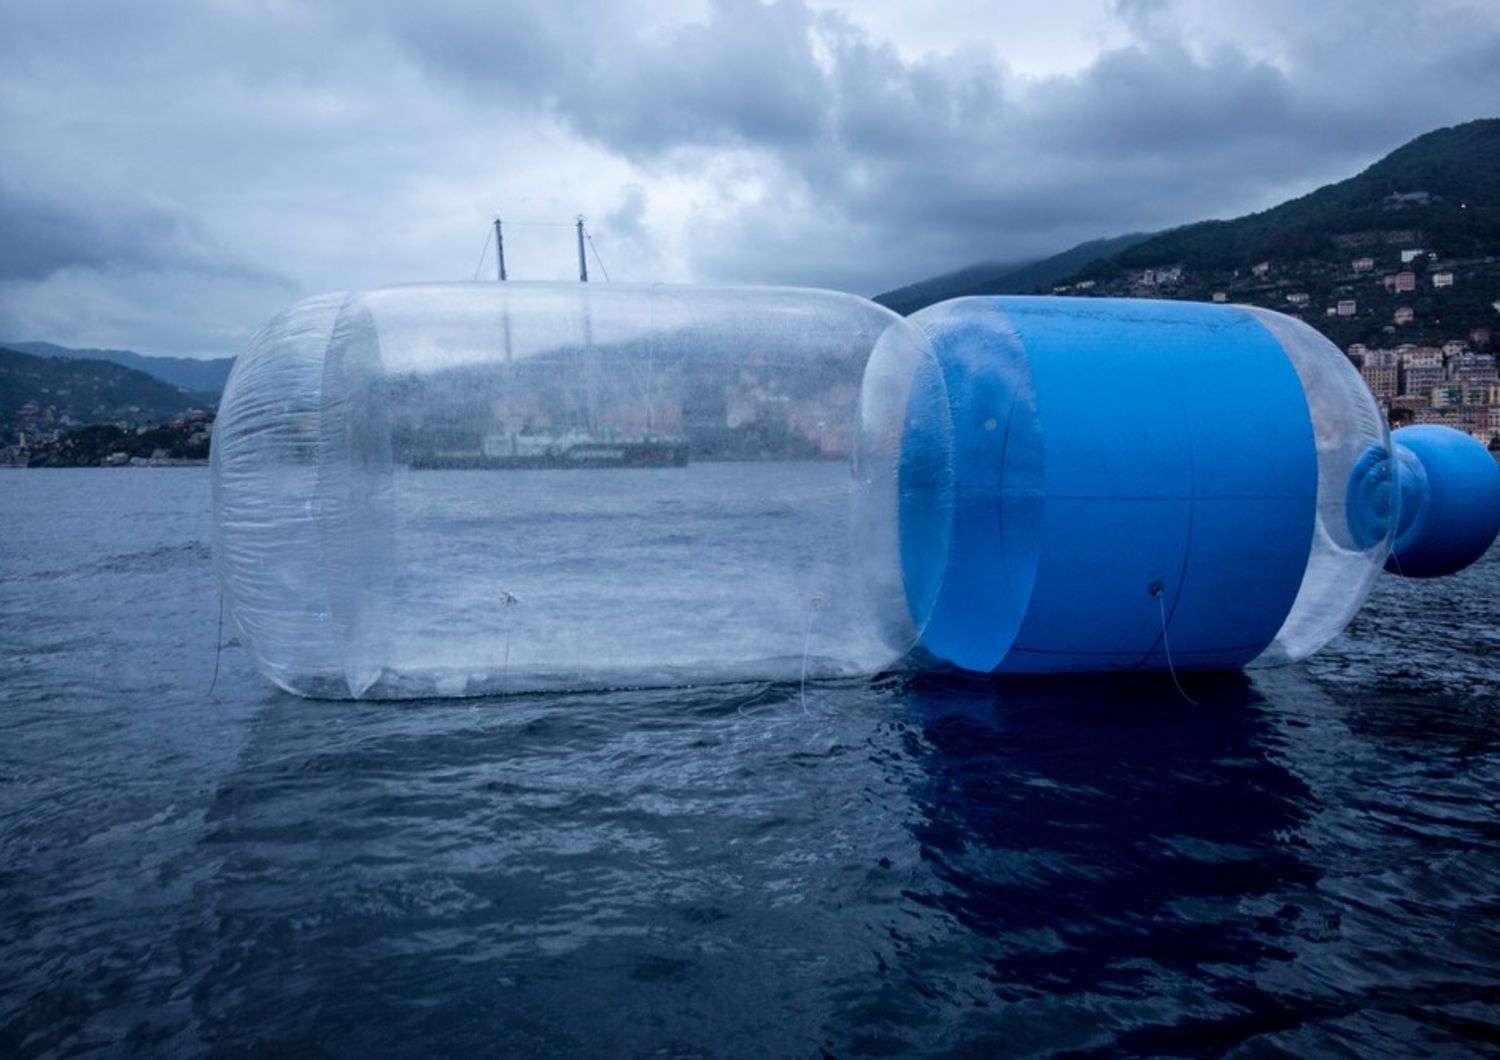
x: 1297, y: 861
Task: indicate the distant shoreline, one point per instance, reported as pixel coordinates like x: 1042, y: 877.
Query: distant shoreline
x: 139, y: 463
x: 104, y: 467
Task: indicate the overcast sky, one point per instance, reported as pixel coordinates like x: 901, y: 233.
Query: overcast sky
x: 173, y: 173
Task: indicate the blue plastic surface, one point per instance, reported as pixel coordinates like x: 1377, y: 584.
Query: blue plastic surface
x: 970, y: 504
x: 1374, y: 496
x: 1122, y: 470
x: 1450, y: 501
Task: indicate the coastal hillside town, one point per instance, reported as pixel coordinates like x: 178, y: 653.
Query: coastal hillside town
x: 1415, y: 323
x: 79, y: 412
x: 1451, y: 385
x: 180, y: 442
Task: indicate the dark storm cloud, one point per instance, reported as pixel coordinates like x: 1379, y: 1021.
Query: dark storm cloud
x: 861, y: 146
x: 349, y: 143
x: 940, y: 162
x: 1157, y: 100
x: 746, y: 74
x: 624, y: 79
x: 626, y: 218
x: 43, y: 238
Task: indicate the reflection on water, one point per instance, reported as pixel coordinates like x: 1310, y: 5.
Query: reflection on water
x: 1155, y: 878
x: 1113, y: 843
x: 1302, y: 863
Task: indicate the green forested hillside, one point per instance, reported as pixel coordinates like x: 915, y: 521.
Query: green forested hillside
x: 1440, y: 191
x: 1430, y: 209
x: 40, y: 395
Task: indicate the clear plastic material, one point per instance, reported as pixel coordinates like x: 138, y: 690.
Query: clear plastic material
x: 478, y: 488
x: 1357, y: 495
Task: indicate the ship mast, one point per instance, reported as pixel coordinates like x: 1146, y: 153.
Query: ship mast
x: 510, y: 365
x: 583, y: 264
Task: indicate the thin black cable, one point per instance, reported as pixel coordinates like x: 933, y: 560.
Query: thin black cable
x: 814, y: 603
x: 488, y: 233
x: 806, y: 643
x: 1167, y: 644
x: 218, y: 647
x: 590, y: 237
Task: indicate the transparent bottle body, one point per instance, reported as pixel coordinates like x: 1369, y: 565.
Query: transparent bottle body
x: 483, y: 488
x: 1358, y: 500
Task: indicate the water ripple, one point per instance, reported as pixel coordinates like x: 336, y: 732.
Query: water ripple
x: 1301, y: 863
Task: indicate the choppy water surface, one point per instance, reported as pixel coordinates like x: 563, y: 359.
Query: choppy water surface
x: 1304, y: 862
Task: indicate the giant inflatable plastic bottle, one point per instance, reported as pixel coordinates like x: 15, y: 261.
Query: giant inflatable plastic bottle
x: 484, y: 488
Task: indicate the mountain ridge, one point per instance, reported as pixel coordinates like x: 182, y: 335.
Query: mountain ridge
x: 1003, y: 278
x: 205, y: 375
x: 1438, y: 195
x: 1444, y: 183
